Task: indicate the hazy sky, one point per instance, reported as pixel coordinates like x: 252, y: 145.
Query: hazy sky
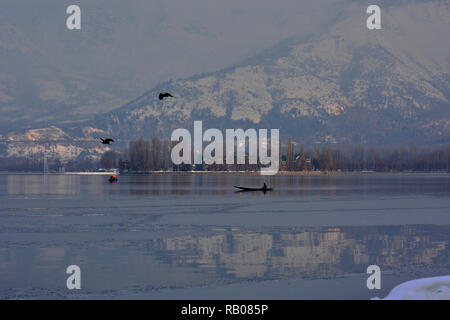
x: 125, y: 48
x: 148, y: 41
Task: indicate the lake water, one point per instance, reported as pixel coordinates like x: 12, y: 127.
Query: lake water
x: 188, y: 236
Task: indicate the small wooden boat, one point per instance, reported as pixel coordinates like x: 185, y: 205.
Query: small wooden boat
x: 263, y: 189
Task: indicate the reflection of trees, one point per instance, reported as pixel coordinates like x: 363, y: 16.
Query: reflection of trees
x: 309, y: 252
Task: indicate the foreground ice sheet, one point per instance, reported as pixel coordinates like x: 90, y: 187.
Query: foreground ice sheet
x: 436, y: 288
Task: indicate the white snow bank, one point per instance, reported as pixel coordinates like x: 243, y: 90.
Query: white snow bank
x: 435, y: 288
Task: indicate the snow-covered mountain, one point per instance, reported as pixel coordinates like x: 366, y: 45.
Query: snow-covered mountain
x: 343, y: 84
x: 348, y: 84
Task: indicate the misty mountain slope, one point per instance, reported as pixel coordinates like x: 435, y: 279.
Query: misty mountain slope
x: 33, y: 90
x: 349, y: 84
x: 126, y: 47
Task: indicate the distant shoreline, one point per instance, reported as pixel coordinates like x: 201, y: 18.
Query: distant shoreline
x: 287, y: 173
x: 280, y: 173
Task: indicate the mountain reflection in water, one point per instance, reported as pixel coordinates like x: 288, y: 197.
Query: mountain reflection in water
x: 306, y: 252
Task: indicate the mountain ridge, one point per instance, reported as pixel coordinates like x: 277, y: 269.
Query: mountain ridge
x: 344, y: 85
x: 428, y: 91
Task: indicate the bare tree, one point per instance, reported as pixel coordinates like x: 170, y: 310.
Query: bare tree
x: 109, y: 160
x: 140, y: 155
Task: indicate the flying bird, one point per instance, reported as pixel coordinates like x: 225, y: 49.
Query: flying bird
x: 106, y: 141
x: 164, y: 95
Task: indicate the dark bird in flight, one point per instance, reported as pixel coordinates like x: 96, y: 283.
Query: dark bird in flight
x: 106, y: 141
x: 164, y: 95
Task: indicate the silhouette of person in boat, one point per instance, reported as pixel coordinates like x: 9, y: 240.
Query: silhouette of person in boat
x: 246, y: 189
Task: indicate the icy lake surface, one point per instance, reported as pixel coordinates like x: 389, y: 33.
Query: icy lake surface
x: 192, y: 236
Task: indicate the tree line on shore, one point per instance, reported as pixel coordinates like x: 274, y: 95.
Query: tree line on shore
x: 144, y: 156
